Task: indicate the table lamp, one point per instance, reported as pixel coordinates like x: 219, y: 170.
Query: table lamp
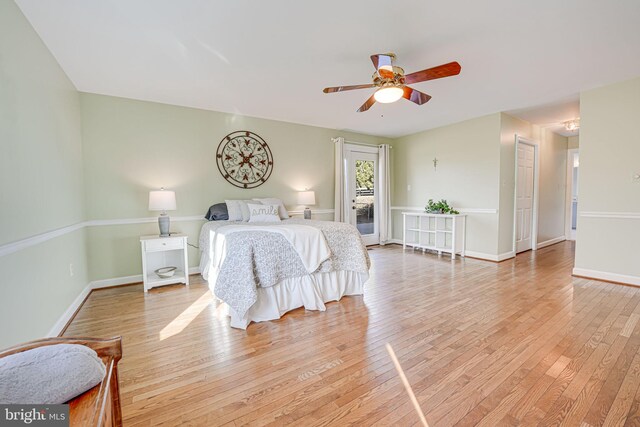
x: 307, y: 198
x: 164, y: 201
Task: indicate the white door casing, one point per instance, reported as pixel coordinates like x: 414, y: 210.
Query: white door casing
x: 526, y: 197
x: 569, y: 195
x: 370, y: 232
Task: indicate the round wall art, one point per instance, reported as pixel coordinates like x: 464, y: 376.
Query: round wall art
x: 244, y: 159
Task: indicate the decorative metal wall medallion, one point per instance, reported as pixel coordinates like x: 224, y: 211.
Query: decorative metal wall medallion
x: 244, y: 159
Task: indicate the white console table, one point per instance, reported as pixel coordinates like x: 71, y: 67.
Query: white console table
x: 435, y: 232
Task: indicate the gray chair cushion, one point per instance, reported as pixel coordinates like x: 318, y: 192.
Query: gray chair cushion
x: 50, y: 374
x: 217, y: 212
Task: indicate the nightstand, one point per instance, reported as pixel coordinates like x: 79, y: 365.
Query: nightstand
x: 158, y: 252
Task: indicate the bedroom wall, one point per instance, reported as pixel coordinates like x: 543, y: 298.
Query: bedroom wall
x: 42, y: 184
x: 573, y: 142
x: 467, y: 175
x: 608, y: 232
x: 131, y: 147
x: 509, y: 127
x: 552, y: 184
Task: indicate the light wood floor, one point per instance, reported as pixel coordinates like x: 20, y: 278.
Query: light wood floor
x: 521, y: 342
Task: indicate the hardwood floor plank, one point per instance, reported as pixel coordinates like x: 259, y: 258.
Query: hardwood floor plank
x: 619, y: 410
x: 515, y: 343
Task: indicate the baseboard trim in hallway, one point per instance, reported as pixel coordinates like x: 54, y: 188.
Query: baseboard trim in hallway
x: 606, y: 276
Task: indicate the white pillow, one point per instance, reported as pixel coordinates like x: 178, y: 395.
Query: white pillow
x: 51, y: 374
x: 233, y: 208
x: 263, y: 213
x: 238, y: 210
x: 273, y: 201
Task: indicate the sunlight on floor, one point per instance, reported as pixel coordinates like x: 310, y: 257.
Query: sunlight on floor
x: 178, y: 324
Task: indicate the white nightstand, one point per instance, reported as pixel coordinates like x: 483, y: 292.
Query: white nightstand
x: 158, y: 252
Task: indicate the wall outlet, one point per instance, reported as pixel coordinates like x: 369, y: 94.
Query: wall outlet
x: 408, y: 187
x: 71, y: 273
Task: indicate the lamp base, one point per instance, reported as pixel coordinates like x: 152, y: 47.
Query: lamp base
x: 307, y: 213
x: 164, y: 223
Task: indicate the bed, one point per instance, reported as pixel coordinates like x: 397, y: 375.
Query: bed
x: 261, y: 271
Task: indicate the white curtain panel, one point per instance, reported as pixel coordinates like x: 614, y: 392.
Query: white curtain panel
x: 384, y: 193
x: 340, y: 190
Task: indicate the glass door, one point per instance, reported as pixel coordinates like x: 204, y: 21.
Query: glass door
x: 362, y: 179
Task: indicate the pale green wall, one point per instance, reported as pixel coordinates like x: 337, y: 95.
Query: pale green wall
x: 467, y: 175
x: 609, y: 157
x: 131, y: 147
x: 552, y: 185
x: 509, y: 127
x: 476, y: 170
x: 41, y: 182
x: 574, y: 141
x: 36, y: 287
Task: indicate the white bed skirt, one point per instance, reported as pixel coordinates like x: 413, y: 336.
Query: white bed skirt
x: 310, y: 292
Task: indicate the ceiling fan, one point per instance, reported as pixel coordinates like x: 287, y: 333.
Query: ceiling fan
x: 391, y: 82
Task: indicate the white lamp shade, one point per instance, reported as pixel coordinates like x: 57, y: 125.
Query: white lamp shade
x: 307, y: 198
x: 162, y: 200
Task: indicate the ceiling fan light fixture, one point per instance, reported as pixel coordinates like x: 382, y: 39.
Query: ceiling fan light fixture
x: 389, y: 94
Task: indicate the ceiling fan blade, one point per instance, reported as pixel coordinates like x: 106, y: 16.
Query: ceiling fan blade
x: 343, y: 88
x: 445, y: 70
x: 367, y: 104
x: 415, y: 96
x: 384, y: 64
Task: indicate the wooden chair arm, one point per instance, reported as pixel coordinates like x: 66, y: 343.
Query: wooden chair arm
x: 109, y: 347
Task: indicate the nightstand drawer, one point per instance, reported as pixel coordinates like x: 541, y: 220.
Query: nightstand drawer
x: 163, y: 244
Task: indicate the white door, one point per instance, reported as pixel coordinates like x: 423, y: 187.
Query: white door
x: 362, y: 179
x: 524, y: 197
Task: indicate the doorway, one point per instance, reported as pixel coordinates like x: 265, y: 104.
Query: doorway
x: 571, y: 219
x: 526, y: 195
x: 362, y: 194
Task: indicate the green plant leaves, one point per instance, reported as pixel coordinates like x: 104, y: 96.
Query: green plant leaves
x: 441, y: 207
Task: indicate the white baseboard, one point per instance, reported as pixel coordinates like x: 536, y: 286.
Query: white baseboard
x: 551, y: 242
x: 604, y: 275
x: 96, y: 284
x: 491, y: 257
x: 126, y: 280
x: 506, y: 255
x: 66, y: 316
x: 115, y: 281
x: 474, y: 254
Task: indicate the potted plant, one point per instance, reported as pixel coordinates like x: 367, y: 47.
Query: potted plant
x: 440, y: 207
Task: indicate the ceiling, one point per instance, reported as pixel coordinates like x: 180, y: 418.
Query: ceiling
x: 552, y: 115
x: 272, y: 59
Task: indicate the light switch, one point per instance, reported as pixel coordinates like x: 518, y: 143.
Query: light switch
x: 408, y: 187
x: 636, y: 177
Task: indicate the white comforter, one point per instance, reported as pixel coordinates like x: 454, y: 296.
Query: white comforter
x: 308, y: 242
x: 238, y: 258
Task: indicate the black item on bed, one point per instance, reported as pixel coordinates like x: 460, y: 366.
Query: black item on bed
x: 217, y: 212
